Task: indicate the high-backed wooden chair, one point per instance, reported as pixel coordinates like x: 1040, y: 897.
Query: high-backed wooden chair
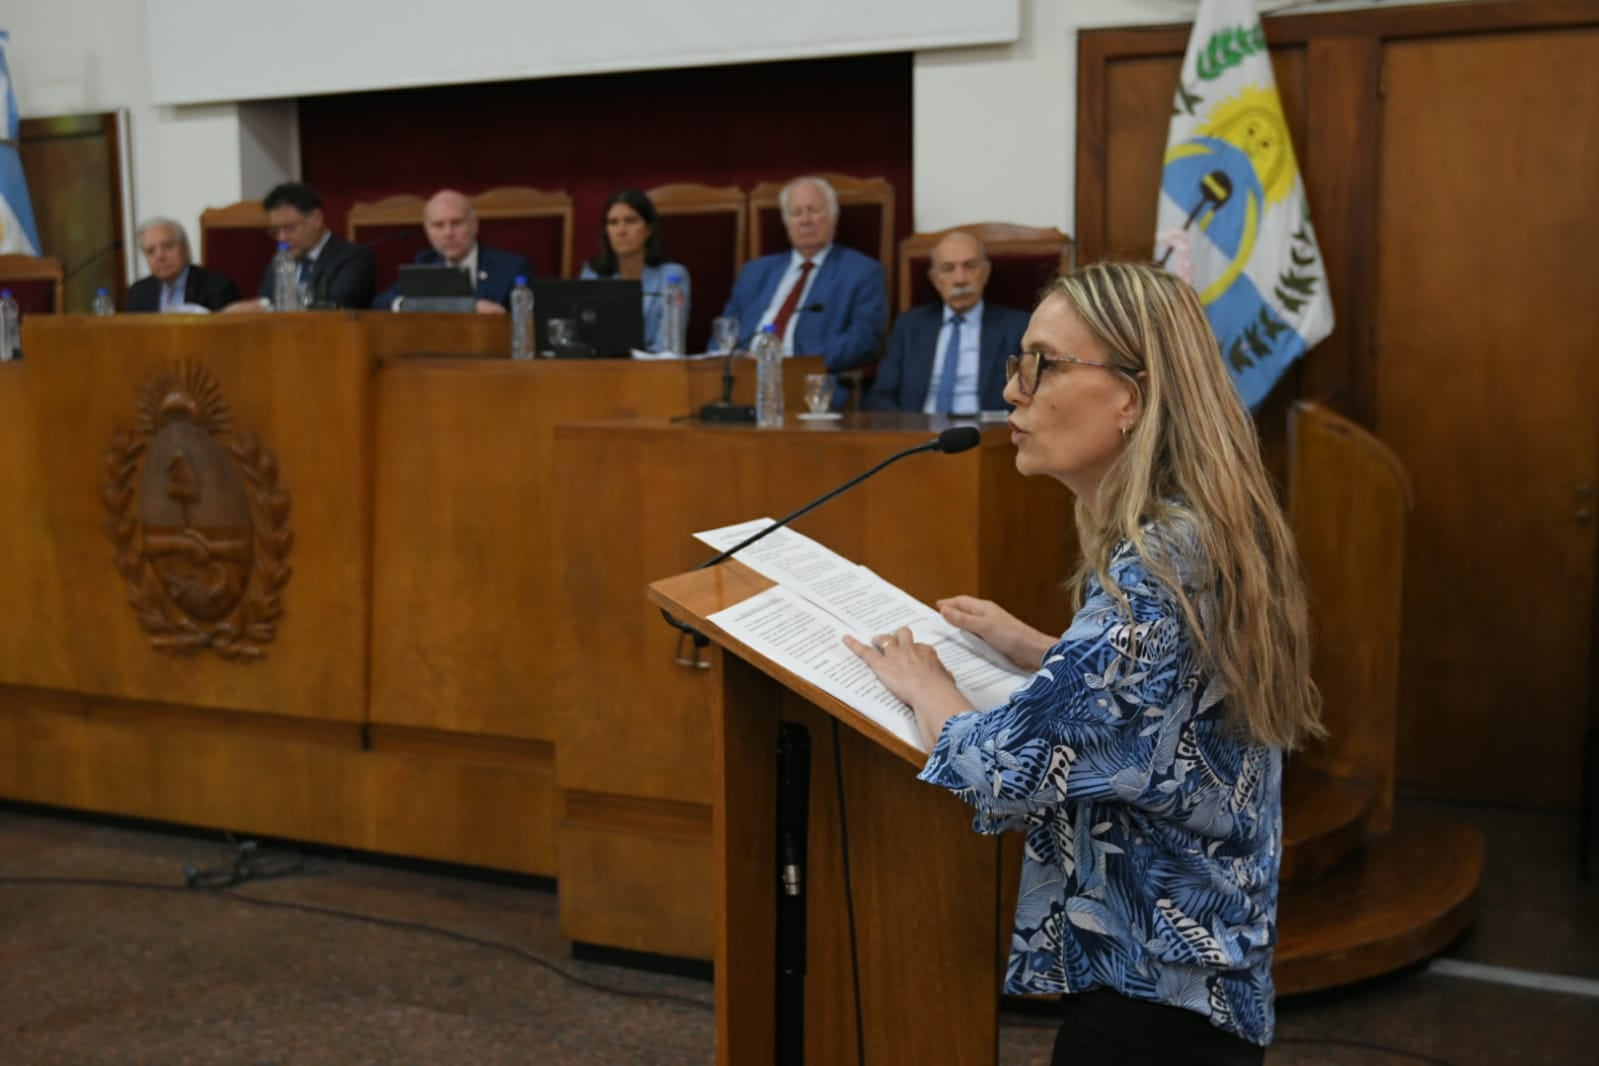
x: 1348, y: 497
x: 531, y: 221
x: 703, y: 227
x: 234, y: 241
x: 392, y: 227
x: 865, y: 218
x: 36, y: 282
x: 1023, y: 259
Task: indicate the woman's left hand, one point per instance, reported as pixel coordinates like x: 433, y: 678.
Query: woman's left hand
x: 909, y: 670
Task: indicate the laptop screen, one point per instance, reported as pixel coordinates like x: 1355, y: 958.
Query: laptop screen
x: 417, y: 279
x: 609, y: 313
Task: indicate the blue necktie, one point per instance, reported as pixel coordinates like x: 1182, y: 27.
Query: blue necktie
x: 305, y: 269
x: 946, y: 376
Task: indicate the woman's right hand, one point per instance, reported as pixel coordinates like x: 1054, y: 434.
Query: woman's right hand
x: 1003, y: 631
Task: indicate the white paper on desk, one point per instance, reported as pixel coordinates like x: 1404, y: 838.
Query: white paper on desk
x: 639, y: 353
x: 865, y: 605
x: 809, y: 643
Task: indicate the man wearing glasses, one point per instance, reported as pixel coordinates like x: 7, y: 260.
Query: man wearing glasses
x: 337, y: 272
x: 949, y: 357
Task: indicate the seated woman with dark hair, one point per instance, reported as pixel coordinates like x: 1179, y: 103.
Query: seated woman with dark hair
x: 631, y: 248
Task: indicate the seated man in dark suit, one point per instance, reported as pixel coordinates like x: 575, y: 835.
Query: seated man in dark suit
x: 451, y: 228
x: 176, y: 282
x: 949, y: 357
x: 824, y: 299
x: 338, y: 272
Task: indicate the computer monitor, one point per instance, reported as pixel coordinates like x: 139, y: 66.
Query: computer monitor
x: 609, y: 313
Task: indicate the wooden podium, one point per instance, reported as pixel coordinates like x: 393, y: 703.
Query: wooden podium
x: 923, y: 887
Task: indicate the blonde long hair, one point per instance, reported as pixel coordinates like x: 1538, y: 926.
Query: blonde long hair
x: 1192, y: 464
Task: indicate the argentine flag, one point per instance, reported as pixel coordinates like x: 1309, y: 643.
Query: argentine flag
x: 1233, y: 220
x: 18, y: 235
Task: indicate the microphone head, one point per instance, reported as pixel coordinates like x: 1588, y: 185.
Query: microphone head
x: 958, y: 439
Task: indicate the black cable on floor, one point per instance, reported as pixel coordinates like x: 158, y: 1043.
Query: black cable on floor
x: 228, y: 892
x: 849, y: 902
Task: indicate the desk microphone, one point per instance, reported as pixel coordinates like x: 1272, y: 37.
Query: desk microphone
x: 726, y: 410
x: 952, y: 440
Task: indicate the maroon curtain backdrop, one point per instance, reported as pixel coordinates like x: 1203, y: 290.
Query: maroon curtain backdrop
x: 592, y: 135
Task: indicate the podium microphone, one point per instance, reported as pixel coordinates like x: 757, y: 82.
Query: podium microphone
x: 956, y: 439
x: 952, y: 440
x: 726, y: 411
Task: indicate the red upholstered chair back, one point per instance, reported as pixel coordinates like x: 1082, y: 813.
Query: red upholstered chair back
x: 393, y: 228
x: 34, y: 281
x: 865, y: 218
x: 1023, y: 260
x: 536, y: 223
x: 703, y: 227
x: 234, y: 242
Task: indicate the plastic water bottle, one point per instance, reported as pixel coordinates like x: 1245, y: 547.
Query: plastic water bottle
x: 10, y: 326
x: 521, y: 320
x: 674, y: 317
x: 103, y: 304
x: 285, y: 280
x: 768, y: 351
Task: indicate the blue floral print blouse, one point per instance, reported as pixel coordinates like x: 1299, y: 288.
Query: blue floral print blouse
x: 1153, y: 833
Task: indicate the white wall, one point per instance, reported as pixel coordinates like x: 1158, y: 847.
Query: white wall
x: 83, y: 56
x: 995, y: 129
x: 204, y: 51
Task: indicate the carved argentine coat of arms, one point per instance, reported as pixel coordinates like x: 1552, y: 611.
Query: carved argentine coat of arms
x: 198, y: 520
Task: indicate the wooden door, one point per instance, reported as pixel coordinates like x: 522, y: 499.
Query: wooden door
x: 73, y: 165
x: 1487, y: 386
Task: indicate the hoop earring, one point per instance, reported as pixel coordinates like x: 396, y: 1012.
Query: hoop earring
x: 1127, y: 431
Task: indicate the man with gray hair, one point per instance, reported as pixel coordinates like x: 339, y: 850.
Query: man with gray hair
x: 175, y: 281
x: 949, y: 357
x: 822, y: 298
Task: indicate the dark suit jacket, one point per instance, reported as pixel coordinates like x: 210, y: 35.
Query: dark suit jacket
x: 204, y: 287
x: 849, y: 286
x: 497, y: 272
x: 344, y: 275
x: 906, y: 371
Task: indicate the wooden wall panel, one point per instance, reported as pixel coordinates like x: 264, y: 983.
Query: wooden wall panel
x: 1488, y: 389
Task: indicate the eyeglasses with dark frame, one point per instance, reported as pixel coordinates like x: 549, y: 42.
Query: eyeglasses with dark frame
x: 1029, y: 380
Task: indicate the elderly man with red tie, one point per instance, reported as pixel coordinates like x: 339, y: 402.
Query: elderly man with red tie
x: 822, y: 298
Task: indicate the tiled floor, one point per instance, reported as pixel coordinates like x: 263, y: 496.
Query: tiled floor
x: 96, y: 974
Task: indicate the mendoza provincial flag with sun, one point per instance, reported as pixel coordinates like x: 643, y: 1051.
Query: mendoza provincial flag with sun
x: 1233, y: 221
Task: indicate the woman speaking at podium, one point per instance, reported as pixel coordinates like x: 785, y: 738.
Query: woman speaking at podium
x: 1144, y: 758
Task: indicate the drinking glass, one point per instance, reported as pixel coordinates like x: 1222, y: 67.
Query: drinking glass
x: 724, y: 334
x: 819, y: 392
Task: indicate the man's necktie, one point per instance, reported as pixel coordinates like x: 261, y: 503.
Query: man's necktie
x: 946, y: 376
x: 305, y: 269
x: 791, y: 301
x: 170, y: 296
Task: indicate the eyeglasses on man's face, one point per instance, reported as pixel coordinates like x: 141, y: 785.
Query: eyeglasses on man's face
x: 1028, y: 367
